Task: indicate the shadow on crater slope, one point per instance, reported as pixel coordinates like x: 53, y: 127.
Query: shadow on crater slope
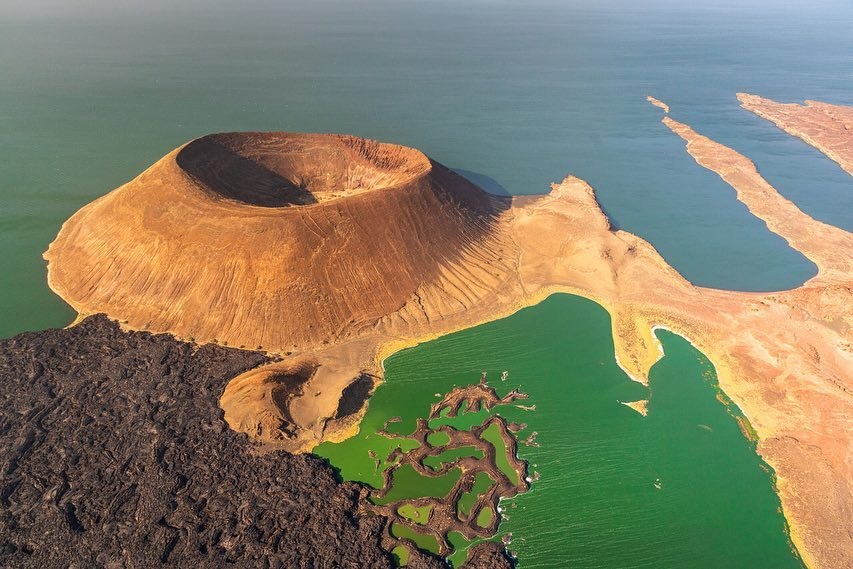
x: 276, y: 169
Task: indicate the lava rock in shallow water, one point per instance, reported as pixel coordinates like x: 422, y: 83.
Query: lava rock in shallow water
x: 114, y: 453
x: 490, y: 554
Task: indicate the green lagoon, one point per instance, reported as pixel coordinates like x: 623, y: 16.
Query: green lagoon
x: 681, y: 487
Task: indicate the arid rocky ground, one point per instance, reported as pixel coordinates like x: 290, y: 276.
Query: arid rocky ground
x: 114, y: 453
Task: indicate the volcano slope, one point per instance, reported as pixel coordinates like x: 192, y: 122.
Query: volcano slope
x: 334, y: 252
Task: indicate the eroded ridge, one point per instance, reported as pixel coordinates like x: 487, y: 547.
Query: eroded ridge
x: 258, y: 403
x: 489, y: 452
x: 829, y: 128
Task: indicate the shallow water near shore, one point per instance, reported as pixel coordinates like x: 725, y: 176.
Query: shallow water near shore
x: 597, y: 501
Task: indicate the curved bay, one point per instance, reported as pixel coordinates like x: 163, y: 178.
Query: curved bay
x: 597, y: 503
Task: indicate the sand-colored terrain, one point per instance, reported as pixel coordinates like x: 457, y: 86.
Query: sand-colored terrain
x: 658, y: 103
x: 641, y: 406
x: 829, y: 128
x: 354, y: 250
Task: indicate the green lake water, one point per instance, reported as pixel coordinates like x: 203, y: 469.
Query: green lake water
x: 515, y: 96
x: 596, y: 503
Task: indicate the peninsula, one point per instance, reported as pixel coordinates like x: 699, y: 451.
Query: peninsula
x: 331, y: 252
x: 826, y: 127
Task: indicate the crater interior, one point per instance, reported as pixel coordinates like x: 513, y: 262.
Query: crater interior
x: 278, y: 169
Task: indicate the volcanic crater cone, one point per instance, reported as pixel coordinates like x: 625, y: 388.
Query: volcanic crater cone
x: 275, y: 240
x: 297, y: 244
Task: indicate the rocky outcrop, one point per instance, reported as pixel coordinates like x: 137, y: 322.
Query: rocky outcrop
x: 489, y: 555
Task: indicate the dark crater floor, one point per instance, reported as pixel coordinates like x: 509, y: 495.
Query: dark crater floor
x: 114, y: 453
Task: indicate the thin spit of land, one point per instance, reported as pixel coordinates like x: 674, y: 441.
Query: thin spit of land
x: 829, y: 128
x: 334, y: 252
x: 438, y: 516
x: 658, y: 103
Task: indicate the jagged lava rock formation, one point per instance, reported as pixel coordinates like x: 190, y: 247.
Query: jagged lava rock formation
x: 114, y: 453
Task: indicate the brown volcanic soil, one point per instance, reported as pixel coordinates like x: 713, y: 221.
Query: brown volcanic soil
x: 316, y: 236
x: 114, y: 453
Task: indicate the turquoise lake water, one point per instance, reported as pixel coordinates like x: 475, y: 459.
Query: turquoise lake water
x: 518, y: 96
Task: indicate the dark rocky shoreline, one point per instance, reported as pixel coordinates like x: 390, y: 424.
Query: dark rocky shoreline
x: 114, y: 453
